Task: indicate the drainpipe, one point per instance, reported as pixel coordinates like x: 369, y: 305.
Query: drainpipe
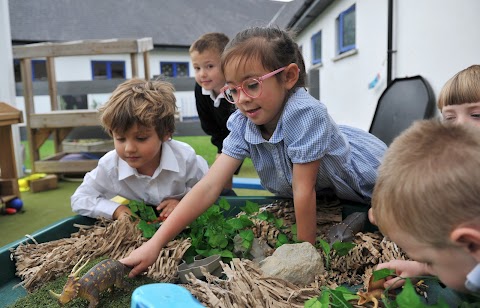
x: 390, y: 42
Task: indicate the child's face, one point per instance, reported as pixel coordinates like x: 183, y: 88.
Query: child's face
x: 451, y: 264
x: 140, y: 147
x: 462, y: 114
x: 208, y: 71
x: 266, y: 109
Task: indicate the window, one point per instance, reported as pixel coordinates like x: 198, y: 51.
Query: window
x: 174, y: 69
x: 317, y: 48
x: 108, y: 69
x: 39, y: 70
x: 346, y: 30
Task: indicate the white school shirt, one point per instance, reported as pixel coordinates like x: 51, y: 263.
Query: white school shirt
x: 180, y: 168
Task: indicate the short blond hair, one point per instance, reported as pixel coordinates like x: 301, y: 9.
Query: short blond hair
x: 137, y: 101
x: 210, y: 41
x: 462, y: 88
x: 429, y: 182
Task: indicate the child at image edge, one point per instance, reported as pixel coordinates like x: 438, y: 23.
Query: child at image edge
x: 146, y: 165
x: 213, y: 109
x: 426, y: 201
x: 459, y: 100
x: 459, y: 103
x: 295, y: 146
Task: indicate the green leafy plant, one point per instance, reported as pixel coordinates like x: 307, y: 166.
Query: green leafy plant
x: 213, y: 234
x: 338, y: 297
x: 341, y: 296
x: 149, y: 222
x: 340, y: 248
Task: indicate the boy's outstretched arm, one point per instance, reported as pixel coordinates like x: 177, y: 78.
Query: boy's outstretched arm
x: 304, y: 200
x: 195, y: 202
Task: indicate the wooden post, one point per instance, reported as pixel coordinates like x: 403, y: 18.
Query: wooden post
x: 26, y: 71
x: 133, y: 59
x: 52, y: 91
x: 146, y: 64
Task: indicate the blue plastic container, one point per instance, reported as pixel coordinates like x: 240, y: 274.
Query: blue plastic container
x: 169, y: 295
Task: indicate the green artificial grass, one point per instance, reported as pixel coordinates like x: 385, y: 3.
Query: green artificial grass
x: 39, y: 210
x: 116, y: 298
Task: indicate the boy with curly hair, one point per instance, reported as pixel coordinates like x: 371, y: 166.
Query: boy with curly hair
x: 146, y: 164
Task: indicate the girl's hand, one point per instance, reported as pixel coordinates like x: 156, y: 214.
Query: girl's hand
x: 141, y: 258
x: 167, y: 206
x: 404, y: 269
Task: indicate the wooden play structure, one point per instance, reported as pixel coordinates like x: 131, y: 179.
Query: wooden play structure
x: 59, y: 123
x: 9, y: 115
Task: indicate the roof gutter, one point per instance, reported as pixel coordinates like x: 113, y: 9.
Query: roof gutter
x: 310, y: 10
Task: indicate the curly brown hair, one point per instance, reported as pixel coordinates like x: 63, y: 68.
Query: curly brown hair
x: 137, y: 101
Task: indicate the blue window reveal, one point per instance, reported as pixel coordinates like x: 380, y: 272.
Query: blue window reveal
x: 317, y: 48
x: 108, y: 70
x: 346, y: 30
x: 174, y: 69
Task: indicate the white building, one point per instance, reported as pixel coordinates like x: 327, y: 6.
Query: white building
x: 431, y: 38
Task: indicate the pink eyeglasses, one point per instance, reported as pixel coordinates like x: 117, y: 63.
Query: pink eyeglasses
x: 252, y: 87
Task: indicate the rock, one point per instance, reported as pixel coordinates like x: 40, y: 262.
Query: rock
x: 296, y: 263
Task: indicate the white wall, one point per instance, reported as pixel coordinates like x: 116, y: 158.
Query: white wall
x: 436, y: 38
x: 7, y: 81
x: 432, y: 38
x: 344, y: 82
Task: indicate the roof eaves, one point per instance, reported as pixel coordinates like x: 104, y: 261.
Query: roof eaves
x: 307, y: 13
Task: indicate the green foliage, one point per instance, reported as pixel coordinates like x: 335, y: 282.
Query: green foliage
x: 149, y: 222
x: 338, y: 297
x: 212, y: 233
x: 340, y: 248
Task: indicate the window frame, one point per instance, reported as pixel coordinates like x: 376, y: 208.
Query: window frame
x: 344, y: 48
x: 174, y: 71
x: 317, y: 37
x: 108, y: 67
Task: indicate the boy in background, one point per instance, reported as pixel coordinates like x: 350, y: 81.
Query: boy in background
x: 426, y: 201
x: 213, y: 110
x: 146, y: 164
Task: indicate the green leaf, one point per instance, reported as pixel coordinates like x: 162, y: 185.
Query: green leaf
x: 223, y: 204
x: 263, y: 216
x: 247, y: 235
x: 347, y: 294
x: 325, y: 246
x: 278, y: 223
x: 338, y: 300
x: 250, y: 208
x: 409, y: 297
x: 226, y: 254
x: 342, y: 248
x: 383, y: 273
x: 236, y: 223
x: 147, y: 230
x: 319, y: 302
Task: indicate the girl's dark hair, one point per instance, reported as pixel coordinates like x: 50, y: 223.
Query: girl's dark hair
x: 273, y: 47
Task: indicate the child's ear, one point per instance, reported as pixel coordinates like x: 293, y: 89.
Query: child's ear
x: 166, y: 137
x: 291, y: 75
x: 469, y: 238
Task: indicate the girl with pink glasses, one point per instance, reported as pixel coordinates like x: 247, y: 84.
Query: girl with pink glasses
x: 295, y: 146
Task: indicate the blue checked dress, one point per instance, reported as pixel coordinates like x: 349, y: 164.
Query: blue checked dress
x: 349, y: 157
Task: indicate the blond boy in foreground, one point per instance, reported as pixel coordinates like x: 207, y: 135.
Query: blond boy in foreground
x: 426, y: 201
